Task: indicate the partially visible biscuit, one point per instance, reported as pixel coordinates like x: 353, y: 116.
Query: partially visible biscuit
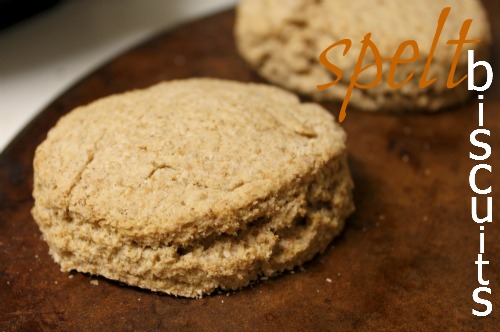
x: 192, y: 185
x: 282, y: 40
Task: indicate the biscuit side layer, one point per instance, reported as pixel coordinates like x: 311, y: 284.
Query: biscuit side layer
x: 309, y: 214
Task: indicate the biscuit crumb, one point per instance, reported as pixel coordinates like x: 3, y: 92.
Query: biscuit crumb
x: 70, y: 276
x: 94, y: 282
x: 328, y: 280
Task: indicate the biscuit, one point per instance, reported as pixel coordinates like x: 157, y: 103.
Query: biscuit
x: 282, y: 41
x: 192, y: 185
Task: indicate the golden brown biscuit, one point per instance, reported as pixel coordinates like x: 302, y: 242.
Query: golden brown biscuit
x: 192, y: 185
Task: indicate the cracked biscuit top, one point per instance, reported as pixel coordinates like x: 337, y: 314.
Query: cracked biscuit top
x: 182, y: 159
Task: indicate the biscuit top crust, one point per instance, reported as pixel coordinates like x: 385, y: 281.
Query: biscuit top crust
x: 181, y: 159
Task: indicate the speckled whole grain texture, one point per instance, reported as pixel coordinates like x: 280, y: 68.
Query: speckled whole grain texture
x: 192, y: 185
x: 283, y: 39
